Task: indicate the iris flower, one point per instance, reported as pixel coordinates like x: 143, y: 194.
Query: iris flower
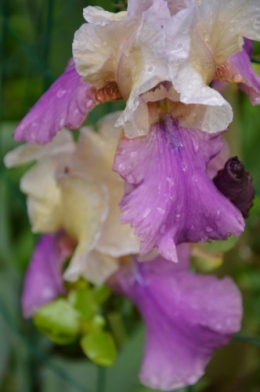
x: 73, y: 190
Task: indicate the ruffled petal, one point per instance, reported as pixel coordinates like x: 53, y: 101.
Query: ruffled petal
x: 43, y: 280
x: 187, y: 317
x: 65, y: 104
x: 169, y: 198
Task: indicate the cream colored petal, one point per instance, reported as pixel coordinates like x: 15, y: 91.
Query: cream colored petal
x: 145, y: 62
x: 116, y: 239
x: 44, y: 207
x: 99, y: 147
x: 222, y: 24
x: 45, y: 217
x: 84, y: 206
x: 207, y: 118
x: 62, y: 143
x: 218, y: 30
x: 96, y: 49
x: 98, y: 15
x: 98, y: 267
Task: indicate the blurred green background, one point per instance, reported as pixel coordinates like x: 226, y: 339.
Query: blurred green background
x: 35, y: 45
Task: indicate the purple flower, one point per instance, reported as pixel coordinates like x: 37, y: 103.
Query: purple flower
x: 65, y: 104
x: 187, y: 317
x: 169, y: 196
x: 43, y: 280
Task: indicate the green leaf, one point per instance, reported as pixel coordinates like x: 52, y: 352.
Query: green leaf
x: 99, y: 346
x: 59, y: 321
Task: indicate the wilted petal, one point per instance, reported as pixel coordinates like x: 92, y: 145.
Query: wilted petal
x: 65, y: 104
x: 43, y: 280
x: 187, y: 317
x: 169, y: 197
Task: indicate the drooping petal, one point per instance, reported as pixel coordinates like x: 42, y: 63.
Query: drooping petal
x: 43, y: 280
x: 169, y: 197
x: 187, y: 317
x: 65, y: 104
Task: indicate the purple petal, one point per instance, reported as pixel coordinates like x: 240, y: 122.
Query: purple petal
x: 65, y: 104
x: 239, y: 69
x: 169, y: 196
x: 43, y: 280
x: 187, y: 317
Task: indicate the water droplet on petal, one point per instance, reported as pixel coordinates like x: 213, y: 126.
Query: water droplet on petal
x: 61, y: 92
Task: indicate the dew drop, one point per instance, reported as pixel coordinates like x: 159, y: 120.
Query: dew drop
x: 147, y: 212
x: 61, y: 92
x: 150, y: 68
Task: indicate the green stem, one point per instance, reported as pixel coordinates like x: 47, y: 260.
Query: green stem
x: 101, y: 379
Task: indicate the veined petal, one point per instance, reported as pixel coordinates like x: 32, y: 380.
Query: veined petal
x: 169, y: 197
x: 65, y: 104
x: 185, y: 319
x: 43, y: 280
